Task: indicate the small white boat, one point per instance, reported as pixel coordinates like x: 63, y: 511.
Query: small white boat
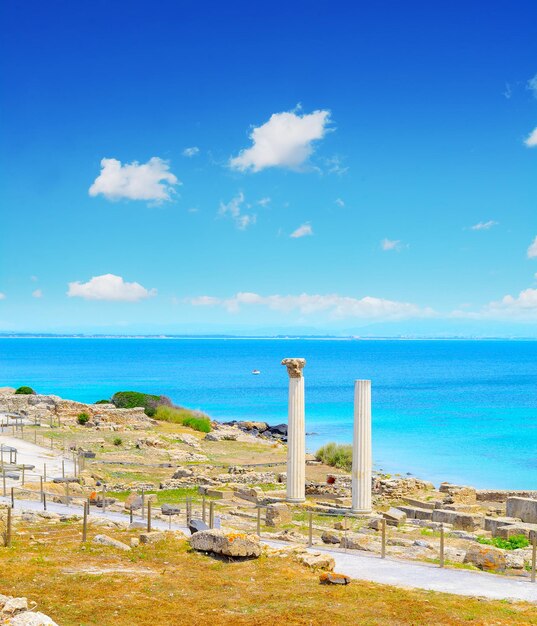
x: 256, y: 372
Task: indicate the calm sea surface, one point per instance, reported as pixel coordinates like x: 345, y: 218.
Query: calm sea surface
x: 464, y: 411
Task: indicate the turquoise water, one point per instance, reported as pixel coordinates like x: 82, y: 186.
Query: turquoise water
x: 464, y: 411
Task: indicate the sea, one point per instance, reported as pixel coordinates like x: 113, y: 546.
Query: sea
x: 443, y: 410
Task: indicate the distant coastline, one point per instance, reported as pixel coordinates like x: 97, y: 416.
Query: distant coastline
x: 280, y: 337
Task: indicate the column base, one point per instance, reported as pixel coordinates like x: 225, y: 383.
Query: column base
x: 295, y: 500
x: 362, y: 511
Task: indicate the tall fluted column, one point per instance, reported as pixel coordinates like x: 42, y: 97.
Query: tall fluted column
x: 296, y: 435
x: 361, y: 448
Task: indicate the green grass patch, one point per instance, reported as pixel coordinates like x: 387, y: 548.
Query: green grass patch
x: 514, y: 542
x: 336, y: 455
x: 184, y: 417
x: 164, y: 496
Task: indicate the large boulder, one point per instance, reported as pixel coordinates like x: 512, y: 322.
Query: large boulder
x: 486, y: 558
x: 524, y: 508
x: 329, y: 536
x: 227, y: 544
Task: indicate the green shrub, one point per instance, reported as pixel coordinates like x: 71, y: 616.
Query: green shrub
x: 118, y: 441
x: 184, y: 417
x: 102, y: 402
x: 514, y: 542
x: 336, y: 455
x: 25, y: 391
x: 83, y: 418
x: 133, y: 399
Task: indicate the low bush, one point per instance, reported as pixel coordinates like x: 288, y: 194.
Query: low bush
x: 336, y: 455
x: 514, y: 542
x: 184, y: 417
x: 118, y: 441
x: 83, y: 418
x: 102, y: 402
x: 133, y: 399
x: 25, y: 391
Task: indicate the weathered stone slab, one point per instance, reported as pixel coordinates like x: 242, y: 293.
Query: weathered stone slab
x: 524, y: 508
x: 414, y: 512
x: 420, y: 504
x: 394, y: 517
x: 493, y: 523
x: 197, y: 525
x: 460, y: 521
x: 520, y: 528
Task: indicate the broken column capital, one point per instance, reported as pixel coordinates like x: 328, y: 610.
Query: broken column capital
x: 294, y: 367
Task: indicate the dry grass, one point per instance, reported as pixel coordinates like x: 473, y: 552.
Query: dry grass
x: 166, y: 584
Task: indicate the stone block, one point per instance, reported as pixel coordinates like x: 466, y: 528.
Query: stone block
x: 278, y: 514
x: 520, y: 528
x: 332, y: 578
x: 394, y: 517
x: 460, y: 493
x: 459, y: 521
x: 420, y: 504
x: 219, y: 494
x: 414, y: 512
x: 493, y: 523
x: 524, y: 508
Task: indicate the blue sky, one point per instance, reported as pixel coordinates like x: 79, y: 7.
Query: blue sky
x: 338, y: 167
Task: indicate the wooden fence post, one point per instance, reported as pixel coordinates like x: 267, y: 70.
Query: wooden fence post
x: 310, y: 528
x: 383, y: 538
x: 441, y: 545
x: 211, y: 514
x: 149, y: 516
x: 85, y: 523
x: 533, y: 556
x: 8, y: 529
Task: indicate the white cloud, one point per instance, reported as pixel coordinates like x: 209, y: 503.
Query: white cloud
x: 37, y: 293
x: 333, y: 305
x: 2, y: 296
x: 334, y: 165
x: 264, y: 201
x: 286, y: 140
x: 391, y: 244
x: 531, y: 140
x: 484, y: 225
x: 109, y: 287
x: 340, y: 202
x: 508, y: 91
x: 532, y: 85
x: 532, y: 249
x: 150, y: 181
x: 190, y: 152
x: 234, y: 208
x: 302, y: 231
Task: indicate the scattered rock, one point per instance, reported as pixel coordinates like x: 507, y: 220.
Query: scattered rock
x: 152, y: 537
x: 355, y: 541
x: 394, y: 517
x: 316, y: 560
x: 14, y: 605
x: 278, y: 514
x: 330, y: 536
x: 333, y: 578
x: 105, y: 540
x: 29, y: 618
x: 227, y: 544
x: 486, y: 558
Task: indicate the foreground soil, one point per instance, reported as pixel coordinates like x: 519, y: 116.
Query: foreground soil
x: 166, y: 583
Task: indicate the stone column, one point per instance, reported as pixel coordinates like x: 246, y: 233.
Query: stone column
x: 361, y: 448
x: 296, y: 435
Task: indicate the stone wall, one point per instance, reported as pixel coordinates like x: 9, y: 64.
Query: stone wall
x: 44, y: 408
